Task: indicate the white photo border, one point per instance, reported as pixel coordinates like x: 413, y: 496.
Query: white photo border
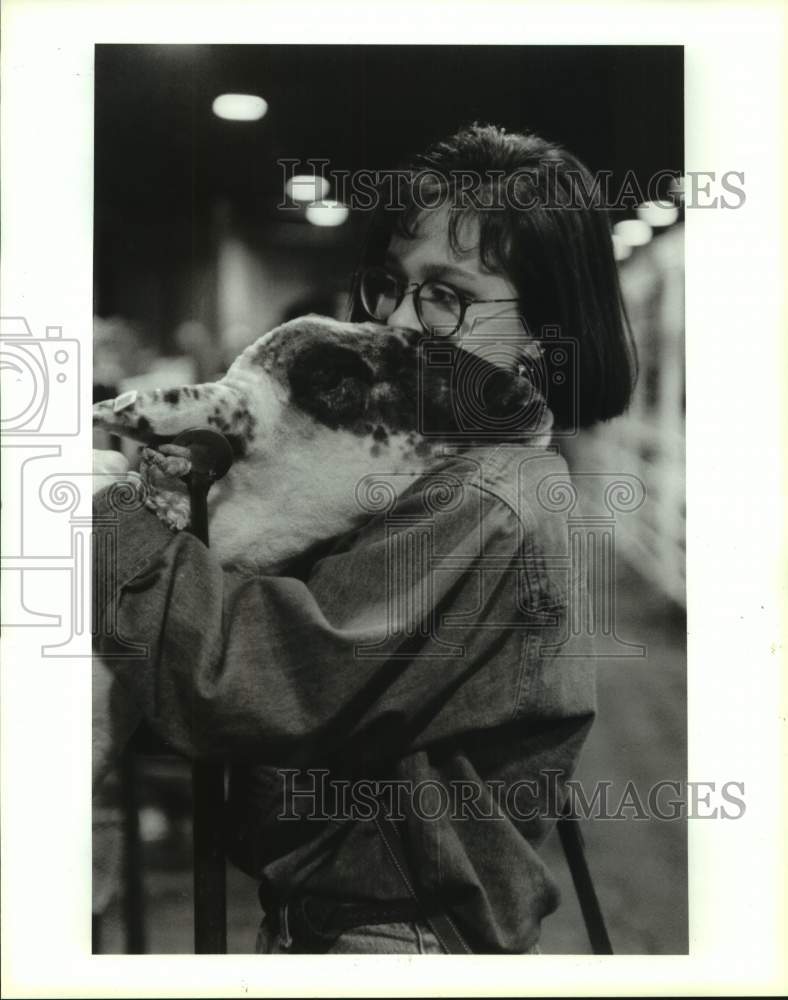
x: 734, y: 99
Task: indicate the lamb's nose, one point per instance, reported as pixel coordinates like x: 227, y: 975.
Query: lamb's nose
x: 103, y: 411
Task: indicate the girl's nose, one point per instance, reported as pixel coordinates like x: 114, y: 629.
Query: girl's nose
x: 405, y: 315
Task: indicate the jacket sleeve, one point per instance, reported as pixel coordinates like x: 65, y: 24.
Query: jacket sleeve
x: 402, y: 637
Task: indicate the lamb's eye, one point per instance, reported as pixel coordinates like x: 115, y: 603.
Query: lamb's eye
x: 331, y: 382
x: 328, y: 378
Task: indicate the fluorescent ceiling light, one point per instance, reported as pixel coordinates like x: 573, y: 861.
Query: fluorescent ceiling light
x: 633, y: 232
x: 239, y: 107
x: 327, y: 213
x: 307, y: 188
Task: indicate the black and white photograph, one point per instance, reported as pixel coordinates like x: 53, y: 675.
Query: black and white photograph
x: 433, y: 298
x: 391, y: 566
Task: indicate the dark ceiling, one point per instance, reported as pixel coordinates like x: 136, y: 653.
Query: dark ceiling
x: 170, y: 176
x: 159, y: 149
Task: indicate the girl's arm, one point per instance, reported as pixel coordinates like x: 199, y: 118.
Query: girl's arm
x: 416, y: 632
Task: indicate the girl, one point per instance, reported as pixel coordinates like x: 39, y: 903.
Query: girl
x: 414, y: 737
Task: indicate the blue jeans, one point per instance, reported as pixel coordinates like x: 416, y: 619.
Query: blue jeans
x: 410, y: 938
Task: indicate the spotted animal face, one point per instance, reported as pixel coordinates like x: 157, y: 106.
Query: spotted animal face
x: 312, y: 409
x: 315, y: 374
x: 159, y: 415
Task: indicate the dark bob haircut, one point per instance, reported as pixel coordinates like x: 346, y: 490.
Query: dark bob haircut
x: 540, y: 225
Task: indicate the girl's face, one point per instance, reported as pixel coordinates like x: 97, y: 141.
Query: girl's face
x: 493, y: 330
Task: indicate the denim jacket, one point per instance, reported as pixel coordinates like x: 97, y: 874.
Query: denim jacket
x: 417, y: 655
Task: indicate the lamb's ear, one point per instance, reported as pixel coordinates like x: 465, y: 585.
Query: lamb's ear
x: 475, y: 398
x: 330, y: 381
x: 505, y: 394
x: 164, y: 413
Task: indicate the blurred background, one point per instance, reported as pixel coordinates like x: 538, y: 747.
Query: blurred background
x: 200, y: 249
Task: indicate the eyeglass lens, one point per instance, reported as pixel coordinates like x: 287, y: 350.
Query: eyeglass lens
x: 438, y: 306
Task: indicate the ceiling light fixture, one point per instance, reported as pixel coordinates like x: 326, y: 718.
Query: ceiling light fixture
x: 239, y: 107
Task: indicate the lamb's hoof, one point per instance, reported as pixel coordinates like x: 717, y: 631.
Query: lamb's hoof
x: 171, y: 462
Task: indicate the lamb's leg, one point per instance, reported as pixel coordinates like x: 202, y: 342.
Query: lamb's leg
x: 159, y: 469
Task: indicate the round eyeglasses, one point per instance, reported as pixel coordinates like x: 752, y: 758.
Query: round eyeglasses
x: 440, y: 308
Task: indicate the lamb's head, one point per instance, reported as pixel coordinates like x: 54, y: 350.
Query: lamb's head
x: 317, y: 375
x: 377, y: 383
x: 313, y: 407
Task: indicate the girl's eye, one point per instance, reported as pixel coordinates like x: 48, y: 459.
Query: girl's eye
x: 441, y: 294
